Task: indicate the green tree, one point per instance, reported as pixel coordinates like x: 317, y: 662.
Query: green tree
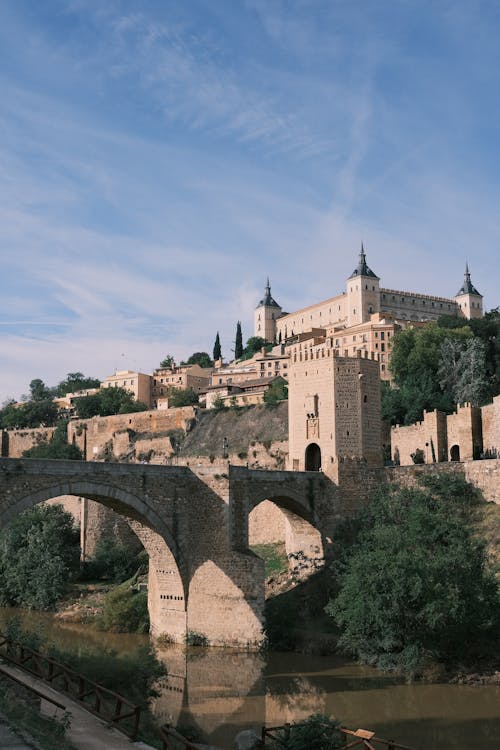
x: 277, y: 392
x: 462, y: 370
x: 74, y: 382
x: 199, y: 358
x: 108, y: 401
x: 416, y: 584
x: 56, y: 447
x: 31, y: 414
x: 415, y: 363
x: 317, y: 732
x: 168, y: 361
x: 255, y: 344
x: 488, y: 330
x: 217, y: 348
x: 238, y: 343
x: 39, y: 391
x: 39, y: 552
x: 181, y: 397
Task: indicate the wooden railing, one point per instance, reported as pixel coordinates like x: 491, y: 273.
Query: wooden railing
x: 97, y: 699
x: 363, y: 738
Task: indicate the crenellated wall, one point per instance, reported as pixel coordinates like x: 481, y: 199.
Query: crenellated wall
x: 425, y: 435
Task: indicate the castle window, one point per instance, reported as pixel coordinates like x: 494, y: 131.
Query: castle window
x: 382, y: 335
x: 366, y: 286
x: 383, y: 296
x: 365, y: 398
x: 402, y: 299
x: 432, y: 303
x: 383, y: 368
x: 440, y: 304
x: 413, y: 302
x: 373, y: 288
x: 376, y: 334
x: 382, y: 346
x: 393, y: 298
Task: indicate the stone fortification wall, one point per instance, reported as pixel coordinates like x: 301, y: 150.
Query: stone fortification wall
x: 464, y: 431
x: 15, y: 442
x: 485, y: 475
x: 431, y: 431
x: 491, y: 428
x: 108, y: 437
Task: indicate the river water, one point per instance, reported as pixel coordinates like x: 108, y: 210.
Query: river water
x: 218, y: 693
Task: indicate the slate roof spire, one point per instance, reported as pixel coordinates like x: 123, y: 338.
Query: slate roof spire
x: 267, y: 300
x: 467, y: 287
x: 363, y: 268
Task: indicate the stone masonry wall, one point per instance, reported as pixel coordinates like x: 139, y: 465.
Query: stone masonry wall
x: 15, y: 442
x: 464, y: 431
x: 491, y: 427
x: 431, y: 431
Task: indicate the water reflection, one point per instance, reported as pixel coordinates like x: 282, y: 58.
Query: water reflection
x: 219, y: 693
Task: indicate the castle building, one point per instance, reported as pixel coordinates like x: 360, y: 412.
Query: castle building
x: 365, y: 316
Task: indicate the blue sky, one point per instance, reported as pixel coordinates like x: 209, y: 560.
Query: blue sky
x: 159, y: 158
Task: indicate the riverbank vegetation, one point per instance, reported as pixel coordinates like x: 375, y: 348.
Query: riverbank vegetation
x: 39, y: 556
x: 414, y: 583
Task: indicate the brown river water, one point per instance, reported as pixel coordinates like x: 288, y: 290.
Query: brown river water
x: 219, y: 693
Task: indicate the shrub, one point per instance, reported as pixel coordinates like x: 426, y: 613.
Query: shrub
x: 317, y: 732
x: 125, y: 610
x: 193, y: 638
x: 113, y: 561
x: 416, y: 585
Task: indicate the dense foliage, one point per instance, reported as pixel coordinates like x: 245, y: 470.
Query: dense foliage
x: 56, y: 447
x: 39, y: 553
x: 317, y: 732
x: 114, y: 561
x: 441, y: 364
x: 125, y: 611
x: 181, y: 397
x: 108, y: 401
x: 254, y: 345
x: 199, y: 358
x: 74, y: 382
x: 277, y: 392
x: 414, y: 581
x: 30, y: 414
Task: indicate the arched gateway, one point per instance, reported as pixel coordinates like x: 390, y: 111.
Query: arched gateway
x: 201, y: 577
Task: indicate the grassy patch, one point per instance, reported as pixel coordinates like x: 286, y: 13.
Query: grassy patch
x: 274, y: 556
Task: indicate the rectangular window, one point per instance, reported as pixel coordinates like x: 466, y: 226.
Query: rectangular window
x: 382, y: 335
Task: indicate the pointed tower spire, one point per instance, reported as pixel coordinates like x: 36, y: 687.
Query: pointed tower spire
x: 363, y: 269
x: 467, y: 287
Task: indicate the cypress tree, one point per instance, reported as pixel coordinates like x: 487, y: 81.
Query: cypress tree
x: 217, y: 349
x: 238, y: 344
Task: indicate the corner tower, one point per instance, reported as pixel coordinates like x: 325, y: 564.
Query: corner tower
x: 363, y: 292
x: 468, y: 299
x: 265, y: 316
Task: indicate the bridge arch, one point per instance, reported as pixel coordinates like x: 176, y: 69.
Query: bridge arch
x: 168, y: 586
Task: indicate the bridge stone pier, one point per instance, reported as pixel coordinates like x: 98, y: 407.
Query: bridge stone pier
x: 202, y: 576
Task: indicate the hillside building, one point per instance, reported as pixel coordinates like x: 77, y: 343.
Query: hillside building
x: 365, y: 316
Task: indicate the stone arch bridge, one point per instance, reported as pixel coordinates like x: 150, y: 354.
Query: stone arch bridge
x: 202, y: 575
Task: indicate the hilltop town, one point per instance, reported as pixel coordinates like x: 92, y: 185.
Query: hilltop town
x: 328, y: 359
